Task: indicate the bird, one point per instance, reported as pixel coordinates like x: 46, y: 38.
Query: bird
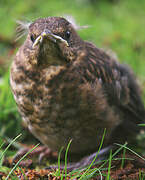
x: 67, y: 89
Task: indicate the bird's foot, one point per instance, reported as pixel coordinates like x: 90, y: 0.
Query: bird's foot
x: 86, y: 161
x: 41, y: 151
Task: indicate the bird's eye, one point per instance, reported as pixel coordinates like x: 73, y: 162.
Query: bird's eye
x: 32, y: 37
x: 67, y: 34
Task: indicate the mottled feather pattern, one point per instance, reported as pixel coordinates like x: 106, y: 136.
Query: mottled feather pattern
x: 73, y: 91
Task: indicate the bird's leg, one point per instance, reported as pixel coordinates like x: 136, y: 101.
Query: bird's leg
x: 41, y: 151
x: 86, y: 161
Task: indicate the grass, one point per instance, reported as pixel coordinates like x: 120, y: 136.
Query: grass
x: 109, y: 166
x: 123, y: 158
x: 3, y: 152
x: 82, y: 174
x: 118, y: 26
x: 124, y: 146
x: 95, y: 156
x: 16, y: 165
x: 9, y: 117
x: 115, y: 26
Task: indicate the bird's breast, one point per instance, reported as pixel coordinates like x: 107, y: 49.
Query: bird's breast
x: 57, y: 107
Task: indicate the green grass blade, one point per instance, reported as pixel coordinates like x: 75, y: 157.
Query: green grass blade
x: 2, y: 155
x: 114, y: 154
x: 91, y: 173
x: 141, y: 124
x: 59, y: 156
x: 2, y: 144
x: 109, y: 167
x: 123, y: 158
x: 95, y: 156
x: 20, y: 161
x: 131, y: 151
x: 24, y: 175
x: 66, y: 153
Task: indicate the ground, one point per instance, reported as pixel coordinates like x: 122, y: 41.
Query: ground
x: 117, y: 27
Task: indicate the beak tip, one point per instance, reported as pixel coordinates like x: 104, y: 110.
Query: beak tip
x: 45, y: 33
x: 37, y: 41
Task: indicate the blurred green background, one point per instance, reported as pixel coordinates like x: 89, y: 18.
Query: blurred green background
x: 116, y: 25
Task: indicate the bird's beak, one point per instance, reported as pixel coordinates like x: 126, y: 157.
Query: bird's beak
x: 50, y: 36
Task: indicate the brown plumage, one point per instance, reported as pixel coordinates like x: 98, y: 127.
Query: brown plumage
x: 66, y: 88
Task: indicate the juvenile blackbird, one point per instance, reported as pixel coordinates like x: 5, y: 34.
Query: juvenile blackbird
x: 66, y: 88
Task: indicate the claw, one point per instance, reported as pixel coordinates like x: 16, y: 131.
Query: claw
x: 20, y: 154
x: 42, y: 152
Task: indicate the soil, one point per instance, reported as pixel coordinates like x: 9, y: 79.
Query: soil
x: 133, y: 168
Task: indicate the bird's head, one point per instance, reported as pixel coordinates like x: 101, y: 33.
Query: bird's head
x: 52, y: 41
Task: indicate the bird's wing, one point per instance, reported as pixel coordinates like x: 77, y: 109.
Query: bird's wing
x: 118, y: 82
